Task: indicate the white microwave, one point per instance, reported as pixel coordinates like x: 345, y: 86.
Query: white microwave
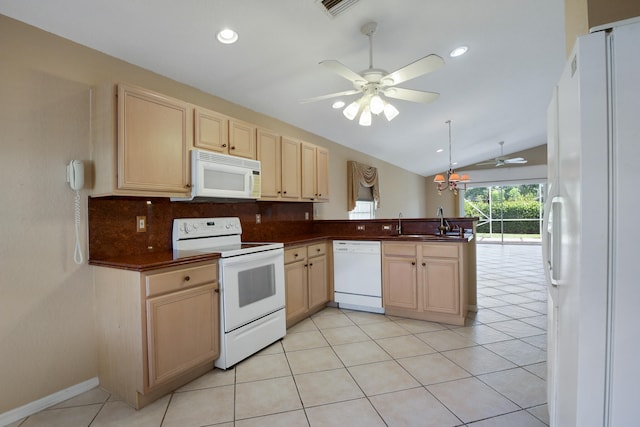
x: 219, y: 176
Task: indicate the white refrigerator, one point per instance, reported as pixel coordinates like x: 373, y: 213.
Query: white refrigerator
x: 591, y: 245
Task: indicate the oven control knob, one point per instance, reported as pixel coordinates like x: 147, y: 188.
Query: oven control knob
x: 187, y: 228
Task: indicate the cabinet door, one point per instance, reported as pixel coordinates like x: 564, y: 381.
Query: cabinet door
x: 322, y: 174
x: 296, y: 290
x: 290, y: 168
x: 400, y: 286
x: 441, y: 285
x: 268, y: 150
x: 318, y: 282
x: 308, y: 171
x: 154, y: 133
x: 242, y: 139
x: 182, y: 331
x: 211, y: 130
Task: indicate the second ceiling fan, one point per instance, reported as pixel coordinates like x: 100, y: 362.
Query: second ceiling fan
x: 502, y: 160
x: 374, y: 82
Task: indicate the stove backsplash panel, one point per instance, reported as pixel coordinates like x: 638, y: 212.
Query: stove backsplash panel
x: 112, y: 222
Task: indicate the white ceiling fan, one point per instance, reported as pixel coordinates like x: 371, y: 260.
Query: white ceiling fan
x: 374, y: 82
x: 502, y: 160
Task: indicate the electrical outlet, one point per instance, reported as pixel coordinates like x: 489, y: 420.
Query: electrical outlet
x: 306, y: 215
x: 360, y: 227
x: 141, y: 224
x: 386, y: 227
x: 258, y: 218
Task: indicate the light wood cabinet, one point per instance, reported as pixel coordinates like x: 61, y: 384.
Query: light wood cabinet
x: 242, y: 139
x: 211, y: 130
x: 290, y: 169
x: 425, y: 281
x: 306, y: 280
x: 270, y: 155
x: 315, y: 174
x: 140, y: 142
x: 157, y: 330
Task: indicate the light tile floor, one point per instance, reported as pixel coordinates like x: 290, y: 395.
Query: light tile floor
x: 353, y: 368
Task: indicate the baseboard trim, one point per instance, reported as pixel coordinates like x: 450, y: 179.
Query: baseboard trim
x: 47, y: 401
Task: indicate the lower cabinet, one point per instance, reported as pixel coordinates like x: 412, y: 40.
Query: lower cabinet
x: 157, y: 330
x: 306, y: 280
x: 425, y: 281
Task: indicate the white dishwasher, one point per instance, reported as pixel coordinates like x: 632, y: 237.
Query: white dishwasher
x: 357, y: 275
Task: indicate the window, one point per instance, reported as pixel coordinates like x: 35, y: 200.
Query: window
x: 364, y: 210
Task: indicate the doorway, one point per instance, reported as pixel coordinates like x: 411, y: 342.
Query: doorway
x: 508, y: 213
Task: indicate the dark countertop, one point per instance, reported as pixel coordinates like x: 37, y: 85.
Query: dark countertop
x: 160, y: 259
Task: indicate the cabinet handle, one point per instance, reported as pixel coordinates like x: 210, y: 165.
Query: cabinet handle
x: 284, y: 192
x: 295, y: 255
x: 306, y: 265
x: 233, y: 147
x: 217, y: 291
x: 224, y: 145
x: 187, y: 278
x: 318, y: 249
x: 413, y: 263
x: 424, y: 264
x: 279, y: 191
x: 310, y: 264
x: 187, y: 186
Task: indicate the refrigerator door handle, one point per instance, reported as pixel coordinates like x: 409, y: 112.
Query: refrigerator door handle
x: 555, y: 215
x: 551, y: 238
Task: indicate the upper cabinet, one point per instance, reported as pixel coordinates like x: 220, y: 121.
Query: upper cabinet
x: 292, y: 170
x: 242, y: 139
x: 315, y: 174
x: 211, y: 130
x: 140, y: 142
x: 269, y: 154
x: 222, y: 134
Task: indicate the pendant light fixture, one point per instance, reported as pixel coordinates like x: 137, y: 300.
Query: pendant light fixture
x: 453, y: 180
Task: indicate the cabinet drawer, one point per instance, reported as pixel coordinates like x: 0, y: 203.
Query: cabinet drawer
x: 160, y: 283
x: 317, y: 249
x: 295, y: 254
x: 399, y: 249
x: 445, y: 250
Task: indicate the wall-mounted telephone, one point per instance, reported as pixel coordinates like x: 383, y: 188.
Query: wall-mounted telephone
x: 75, y: 174
x: 75, y: 178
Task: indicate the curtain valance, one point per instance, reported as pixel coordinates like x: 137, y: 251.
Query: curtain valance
x: 359, y: 174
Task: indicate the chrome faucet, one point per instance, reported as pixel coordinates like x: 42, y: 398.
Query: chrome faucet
x: 442, y: 227
x: 399, y: 226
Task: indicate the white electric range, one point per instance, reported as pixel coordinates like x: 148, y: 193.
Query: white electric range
x: 251, y: 280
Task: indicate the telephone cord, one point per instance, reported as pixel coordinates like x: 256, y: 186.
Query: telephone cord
x: 77, y: 255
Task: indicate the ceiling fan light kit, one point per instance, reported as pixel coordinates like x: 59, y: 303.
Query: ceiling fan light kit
x: 453, y: 180
x: 374, y: 84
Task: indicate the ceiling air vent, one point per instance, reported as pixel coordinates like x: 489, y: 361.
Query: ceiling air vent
x: 336, y: 7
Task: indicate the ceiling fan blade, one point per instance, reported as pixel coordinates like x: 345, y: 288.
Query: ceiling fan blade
x: 411, y: 95
x: 486, y: 163
x: 330, y: 95
x: 340, y: 69
x: 519, y: 160
x: 422, y: 66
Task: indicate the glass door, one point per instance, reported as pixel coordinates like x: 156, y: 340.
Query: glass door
x: 508, y: 213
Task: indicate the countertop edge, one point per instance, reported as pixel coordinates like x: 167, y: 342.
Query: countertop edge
x: 157, y: 260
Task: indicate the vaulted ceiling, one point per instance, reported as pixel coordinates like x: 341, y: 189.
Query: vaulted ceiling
x: 498, y: 91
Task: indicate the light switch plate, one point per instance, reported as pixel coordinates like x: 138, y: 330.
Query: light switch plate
x: 141, y: 224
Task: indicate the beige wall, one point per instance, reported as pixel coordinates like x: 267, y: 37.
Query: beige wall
x: 46, y: 301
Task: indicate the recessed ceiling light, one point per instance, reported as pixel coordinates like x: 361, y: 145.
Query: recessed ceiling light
x: 227, y: 36
x: 458, y: 51
x: 338, y: 104
x: 439, y: 150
